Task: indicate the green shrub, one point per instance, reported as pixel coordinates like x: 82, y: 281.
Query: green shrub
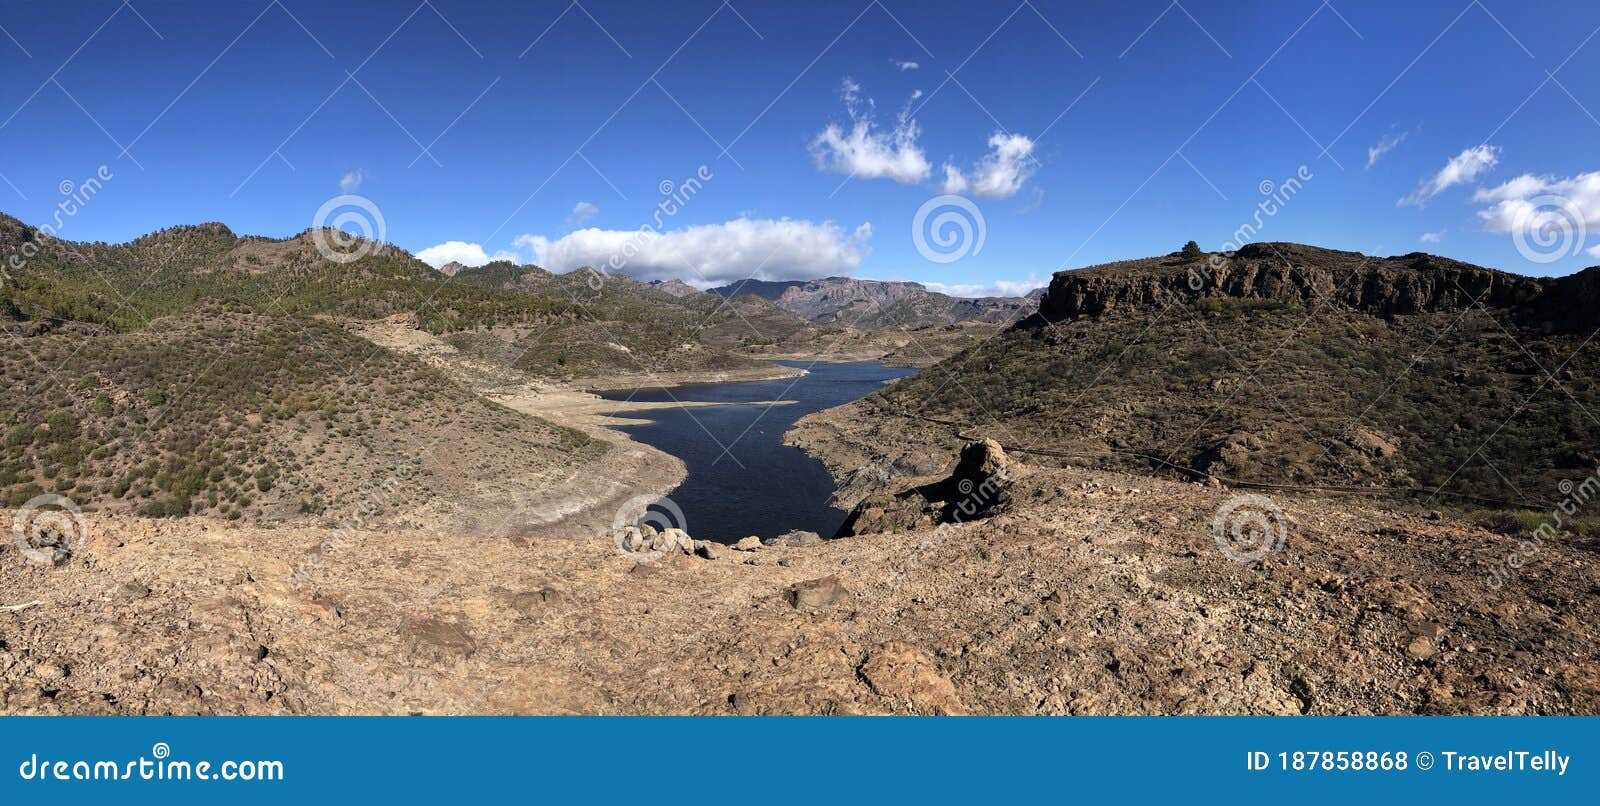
x: 63, y: 426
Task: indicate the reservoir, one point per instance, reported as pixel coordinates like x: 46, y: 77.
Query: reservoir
x: 742, y: 479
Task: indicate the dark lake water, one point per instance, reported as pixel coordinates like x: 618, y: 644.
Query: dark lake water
x: 742, y: 479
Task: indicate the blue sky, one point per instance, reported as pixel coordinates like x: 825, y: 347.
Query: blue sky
x: 1080, y: 132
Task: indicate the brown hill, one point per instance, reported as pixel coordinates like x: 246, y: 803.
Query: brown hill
x: 1289, y: 364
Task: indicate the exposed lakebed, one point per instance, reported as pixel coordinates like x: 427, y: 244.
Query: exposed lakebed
x: 742, y: 479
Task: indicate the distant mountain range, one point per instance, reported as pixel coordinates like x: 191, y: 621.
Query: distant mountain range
x: 876, y: 303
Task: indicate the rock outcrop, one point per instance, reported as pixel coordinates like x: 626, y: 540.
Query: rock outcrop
x: 975, y: 489
x: 1393, y: 286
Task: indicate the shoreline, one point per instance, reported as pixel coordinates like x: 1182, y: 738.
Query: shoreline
x: 674, y: 380
x: 596, y: 490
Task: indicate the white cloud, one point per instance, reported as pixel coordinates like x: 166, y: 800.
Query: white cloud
x: 582, y: 213
x: 1462, y: 168
x: 467, y: 254
x: 709, y: 255
x: 1593, y: 251
x: 352, y: 180
x: 1385, y: 144
x: 1000, y: 174
x: 905, y: 66
x: 533, y: 244
x: 1520, y: 187
x: 865, y: 151
x: 1533, y: 203
x: 998, y: 288
x: 1433, y: 237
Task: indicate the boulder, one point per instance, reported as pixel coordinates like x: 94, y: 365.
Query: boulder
x: 707, y: 549
x: 631, y: 539
x: 904, y: 672
x: 815, y: 594
x: 975, y: 489
x: 674, y: 538
x: 750, y: 543
x: 797, y: 537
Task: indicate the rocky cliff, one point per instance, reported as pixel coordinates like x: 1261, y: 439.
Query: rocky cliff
x: 1386, y: 287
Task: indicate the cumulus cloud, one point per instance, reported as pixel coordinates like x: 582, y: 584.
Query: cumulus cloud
x: 905, y: 66
x: 1529, y: 203
x: 1433, y: 237
x: 998, y: 288
x: 1385, y: 144
x: 352, y: 180
x: 1000, y: 174
x: 582, y: 213
x: 467, y: 254
x: 1593, y: 251
x: 1462, y: 168
x: 709, y: 255
x: 868, y: 152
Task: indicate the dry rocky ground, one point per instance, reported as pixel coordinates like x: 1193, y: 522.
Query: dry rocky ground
x: 1085, y: 593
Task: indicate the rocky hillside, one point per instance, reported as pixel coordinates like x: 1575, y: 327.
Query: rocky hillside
x: 1288, y: 364
x: 874, y: 303
x: 243, y: 416
x: 1082, y: 593
x: 501, y: 311
x: 622, y: 326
